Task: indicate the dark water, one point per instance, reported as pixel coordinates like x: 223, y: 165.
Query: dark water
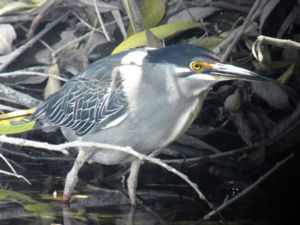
x: 166, y: 200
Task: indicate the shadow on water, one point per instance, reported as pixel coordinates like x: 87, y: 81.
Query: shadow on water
x: 106, y: 207
x: 168, y: 203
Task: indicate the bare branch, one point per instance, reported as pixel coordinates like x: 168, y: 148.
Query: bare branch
x: 35, y: 144
x: 278, y: 42
x: 12, y: 95
x: 62, y: 148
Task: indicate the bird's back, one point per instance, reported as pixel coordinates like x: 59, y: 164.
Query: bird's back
x: 88, y: 102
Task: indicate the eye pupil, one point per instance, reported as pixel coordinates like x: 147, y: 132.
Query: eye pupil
x: 196, y: 66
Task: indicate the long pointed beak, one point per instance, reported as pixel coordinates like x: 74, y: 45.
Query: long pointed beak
x: 234, y: 72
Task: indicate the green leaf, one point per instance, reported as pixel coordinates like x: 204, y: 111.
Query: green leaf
x: 162, y: 32
x: 26, y: 201
x: 15, y: 196
x: 38, y: 207
x: 16, y: 125
x: 15, y: 6
x: 152, y: 11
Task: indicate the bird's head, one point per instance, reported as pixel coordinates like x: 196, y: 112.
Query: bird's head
x: 192, y: 61
x: 184, y: 69
x: 195, y: 69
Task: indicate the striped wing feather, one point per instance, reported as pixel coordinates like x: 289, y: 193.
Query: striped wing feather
x: 87, y: 103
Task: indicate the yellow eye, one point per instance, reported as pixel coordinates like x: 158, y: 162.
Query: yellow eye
x: 196, y: 66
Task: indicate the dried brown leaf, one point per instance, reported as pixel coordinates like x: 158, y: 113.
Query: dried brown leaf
x: 233, y: 102
x: 72, y: 61
x: 272, y: 94
x: 243, y: 127
x: 7, y: 36
x: 53, y: 84
x: 44, y: 56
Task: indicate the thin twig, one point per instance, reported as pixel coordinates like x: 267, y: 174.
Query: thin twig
x: 62, y: 148
x: 20, y: 73
x: 40, y: 40
x: 134, y: 14
x: 57, y: 51
x: 86, y: 23
x: 254, y: 12
x: 29, y: 156
x: 248, y: 189
x: 101, y: 21
x: 188, y: 11
x: 217, y: 50
x: 14, y: 173
x: 120, y: 22
x: 35, y: 144
x: 278, y: 42
x: 212, y: 156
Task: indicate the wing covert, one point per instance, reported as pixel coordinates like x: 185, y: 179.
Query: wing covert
x: 87, y: 103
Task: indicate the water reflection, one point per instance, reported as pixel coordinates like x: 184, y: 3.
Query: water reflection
x: 106, y: 207
x: 120, y: 215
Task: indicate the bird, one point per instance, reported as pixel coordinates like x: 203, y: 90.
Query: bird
x: 144, y: 98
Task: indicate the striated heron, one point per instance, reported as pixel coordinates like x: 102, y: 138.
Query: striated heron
x: 143, y: 98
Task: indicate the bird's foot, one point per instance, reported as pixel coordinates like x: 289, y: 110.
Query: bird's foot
x: 70, y: 184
